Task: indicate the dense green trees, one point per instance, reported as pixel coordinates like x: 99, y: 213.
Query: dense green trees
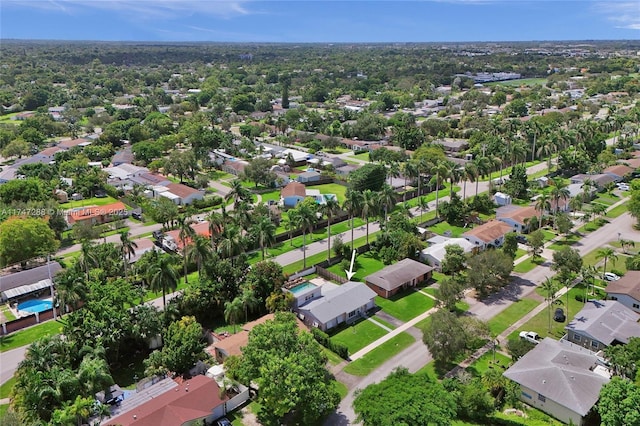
x: 34, y: 235
x: 489, y: 271
x: 288, y: 367
x: 369, y: 176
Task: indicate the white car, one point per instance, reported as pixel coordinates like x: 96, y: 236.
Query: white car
x: 530, y: 336
x: 623, y: 187
x: 610, y: 276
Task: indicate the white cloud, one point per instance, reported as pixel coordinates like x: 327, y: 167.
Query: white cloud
x: 142, y: 9
x: 622, y: 14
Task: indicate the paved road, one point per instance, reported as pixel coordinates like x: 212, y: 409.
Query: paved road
x: 9, y: 362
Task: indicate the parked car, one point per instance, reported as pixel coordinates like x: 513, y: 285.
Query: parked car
x: 559, y: 315
x: 530, y: 336
x: 623, y: 187
x: 522, y: 239
x: 157, y: 235
x: 610, y: 276
x: 224, y: 422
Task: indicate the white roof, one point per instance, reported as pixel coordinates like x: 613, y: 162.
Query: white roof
x: 297, y: 155
x: 438, y: 250
x: 169, y: 195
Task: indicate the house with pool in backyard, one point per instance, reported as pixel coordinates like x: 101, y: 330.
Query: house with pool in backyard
x: 328, y: 305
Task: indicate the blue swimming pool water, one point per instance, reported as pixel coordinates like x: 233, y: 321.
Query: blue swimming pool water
x: 35, y: 305
x: 302, y: 287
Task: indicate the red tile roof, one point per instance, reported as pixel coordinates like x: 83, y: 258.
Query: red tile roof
x: 193, y: 399
x: 181, y: 190
x: 490, y: 231
x: 201, y: 228
x: 84, y: 213
x: 294, y: 188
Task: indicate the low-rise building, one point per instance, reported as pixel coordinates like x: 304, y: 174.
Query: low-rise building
x: 626, y: 290
x: 517, y: 217
x: 97, y: 215
x: 602, y: 323
x: 619, y: 172
x: 435, y: 253
x: 399, y: 276
x: 308, y: 176
x: 293, y: 193
x: 561, y: 379
x: 490, y: 234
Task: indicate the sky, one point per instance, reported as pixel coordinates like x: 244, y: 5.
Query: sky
x: 331, y: 21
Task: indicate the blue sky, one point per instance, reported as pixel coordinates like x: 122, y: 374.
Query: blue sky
x: 320, y: 21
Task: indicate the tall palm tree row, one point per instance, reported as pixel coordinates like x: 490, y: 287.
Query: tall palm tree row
x: 543, y: 203
x: 386, y: 201
x: 264, y: 233
x: 368, y: 207
x: 330, y: 209
x: 127, y: 249
x: 162, y: 275
x: 199, y: 252
x: 352, y: 204
x: 186, y: 235
x: 559, y: 192
x: 306, y: 218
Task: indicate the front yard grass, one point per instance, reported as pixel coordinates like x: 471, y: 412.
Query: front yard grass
x: 540, y: 322
x: 442, y: 227
x: 359, y: 335
x: 375, y: 358
x: 331, y: 188
x: 29, y: 335
x: 365, y: 264
x: 513, y: 313
x: 5, y: 388
x: 406, y: 305
x: 486, y: 362
x: 568, y: 240
x: 528, y: 265
x: 593, y: 225
x: 88, y: 202
x: 617, y: 211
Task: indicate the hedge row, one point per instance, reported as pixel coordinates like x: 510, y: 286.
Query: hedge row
x: 323, y: 338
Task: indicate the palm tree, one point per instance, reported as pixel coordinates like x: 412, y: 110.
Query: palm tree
x: 216, y: 226
x: 368, y: 207
x: 606, y: 253
x: 575, y: 204
x: 455, y: 175
x: 588, y: 273
x: 386, y: 201
x: 441, y: 172
x: 264, y: 233
x: 352, y: 204
x: 93, y: 375
x: 625, y: 244
x: 291, y: 224
x: 199, y: 251
x: 70, y: 289
x: 393, y: 171
x: 88, y: 258
x: 232, y: 243
x: 163, y: 275
x: 232, y: 311
x: 329, y: 209
x: 483, y: 167
x: 558, y: 192
x: 409, y: 171
x: 186, y: 233
x: 549, y: 289
x: 470, y: 174
x: 423, y: 205
x: 127, y: 248
x: 238, y: 193
x: 242, y: 215
x: 305, y: 220
x: 249, y: 301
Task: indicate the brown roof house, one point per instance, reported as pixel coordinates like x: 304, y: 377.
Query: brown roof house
x: 602, y: 323
x: 619, y: 171
x: 626, y: 290
x: 181, y: 194
x: 293, y: 193
x: 561, y: 379
x: 490, y: 234
x: 516, y: 216
x: 195, y: 401
x: 399, y: 276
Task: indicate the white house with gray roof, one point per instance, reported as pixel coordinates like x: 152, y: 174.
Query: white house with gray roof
x: 603, y: 323
x: 560, y: 378
x: 336, y: 305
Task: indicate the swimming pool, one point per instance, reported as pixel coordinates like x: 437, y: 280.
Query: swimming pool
x: 35, y: 305
x: 302, y: 287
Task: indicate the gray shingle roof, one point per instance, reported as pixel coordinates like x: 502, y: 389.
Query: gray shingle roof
x: 606, y: 321
x: 344, y: 299
x: 393, y: 276
x: 562, y: 372
x: 628, y: 284
x: 30, y: 276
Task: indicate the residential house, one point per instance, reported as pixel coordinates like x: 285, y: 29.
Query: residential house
x: 601, y: 180
x: 195, y: 401
x: 143, y: 245
x: 234, y: 167
x: 602, y: 323
x: 292, y: 194
x: 399, y: 276
x: 227, y: 345
x: 345, y: 170
x: 25, y: 282
x: 517, y: 216
x: 71, y: 143
x: 308, y: 176
x: 47, y: 155
x: 626, y: 290
x: 452, y: 145
x: 561, y: 379
x: 489, y: 234
x: 97, y: 215
x: 619, y: 172
x: 633, y: 163
x: 435, y: 253
x: 149, y: 179
x: 124, y: 171
x: 173, y: 236
x: 331, y: 305
x: 180, y: 194
x: 124, y: 156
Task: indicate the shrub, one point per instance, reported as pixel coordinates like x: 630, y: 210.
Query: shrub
x: 207, y: 202
x: 579, y: 298
x: 323, y: 338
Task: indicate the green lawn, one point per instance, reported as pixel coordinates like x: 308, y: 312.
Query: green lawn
x: 486, y: 362
x: 565, y: 241
x: 342, y: 389
x: 88, y: 202
x: 593, y: 225
x: 504, y: 319
x: 331, y: 188
x: 29, y: 335
x: 548, y: 235
x: 332, y: 357
x: 127, y: 375
x: 357, y: 336
x: 375, y: 358
x: 540, y: 323
x: 270, y: 196
x: 444, y: 192
x: 519, y: 82
x: 527, y: 265
x: 219, y: 175
x: 406, y: 305
x: 617, y: 211
x: 8, y: 315
x: 365, y: 264
x: 5, y: 388
x: 442, y: 227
